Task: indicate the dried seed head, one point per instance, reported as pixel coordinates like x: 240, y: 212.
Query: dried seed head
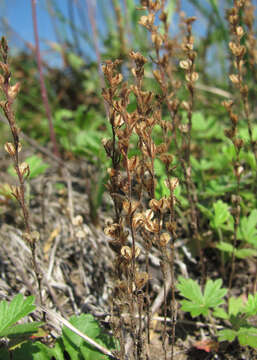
x: 24, y: 169
x: 174, y: 182
x: 192, y: 77
x: 163, y: 16
x: 130, y: 206
x: 154, y: 205
x: 227, y: 104
x: 171, y: 226
x: 233, y: 118
x: 5, y: 69
x: 162, y: 148
x: 4, y: 45
x: 239, y: 143
x: 185, y: 64
x: 190, y: 20
x: 1, y: 79
x: 157, y: 75
x: 147, y: 20
x: 126, y: 252
x: 13, y: 90
x: 187, y: 46
x: 229, y: 133
x: 157, y: 40
x: 111, y: 172
x: 112, y: 230
x: 185, y: 105
x: 10, y: 148
x: 108, y: 146
x: 141, y: 279
x: 234, y: 78
x: 166, y: 158
x: 164, y: 239
x: 118, y: 120
x: 184, y: 128
x: 122, y: 285
x: 239, y: 31
x: 77, y: 221
x: 237, y: 49
x: 133, y: 163
x: 244, y: 90
x: 139, y: 59
x: 238, y: 171
x: 159, y: 205
x: 138, y: 220
x: 16, y: 191
x: 152, y: 226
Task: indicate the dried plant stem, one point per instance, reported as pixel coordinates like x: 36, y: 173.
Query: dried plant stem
x: 22, y: 169
x: 42, y: 81
x: 92, y: 17
x: 238, y: 52
x: 191, y: 78
x: 120, y: 27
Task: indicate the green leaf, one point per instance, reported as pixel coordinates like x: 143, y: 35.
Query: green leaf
x: 4, y: 353
x: 248, y: 230
x: 75, y: 61
x: 14, y: 311
x: 75, y: 345
x: 216, y: 188
x: 37, y: 351
x: 239, y: 253
x: 251, y: 305
x: 221, y: 214
x: 213, y: 293
x: 248, y: 336
x: 190, y: 289
x: 245, y: 253
x: 200, y: 303
x: 204, y: 128
x: 224, y: 246
x: 221, y: 313
x: 36, y: 165
x: 22, y: 329
x: 227, y: 335
x: 205, y: 211
x: 235, y: 306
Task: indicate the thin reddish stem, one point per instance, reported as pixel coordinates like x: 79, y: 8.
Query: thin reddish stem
x: 42, y: 81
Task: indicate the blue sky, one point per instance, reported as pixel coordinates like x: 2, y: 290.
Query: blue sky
x: 17, y: 13
x: 19, y: 16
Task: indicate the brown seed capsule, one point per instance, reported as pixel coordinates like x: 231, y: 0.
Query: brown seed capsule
x: 77, y: 221
x: 24, y: 169
x: 126, y: 252
x: 130, y: 207
x: 13, y: 90
x: 164, y: 239
x: 239, y: 31
x: 234, y: 78
x: 141, y: 279
x: 185, y: 64
x: 9, y: 147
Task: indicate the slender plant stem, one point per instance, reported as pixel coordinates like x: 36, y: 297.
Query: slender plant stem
x: 42, y: 81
